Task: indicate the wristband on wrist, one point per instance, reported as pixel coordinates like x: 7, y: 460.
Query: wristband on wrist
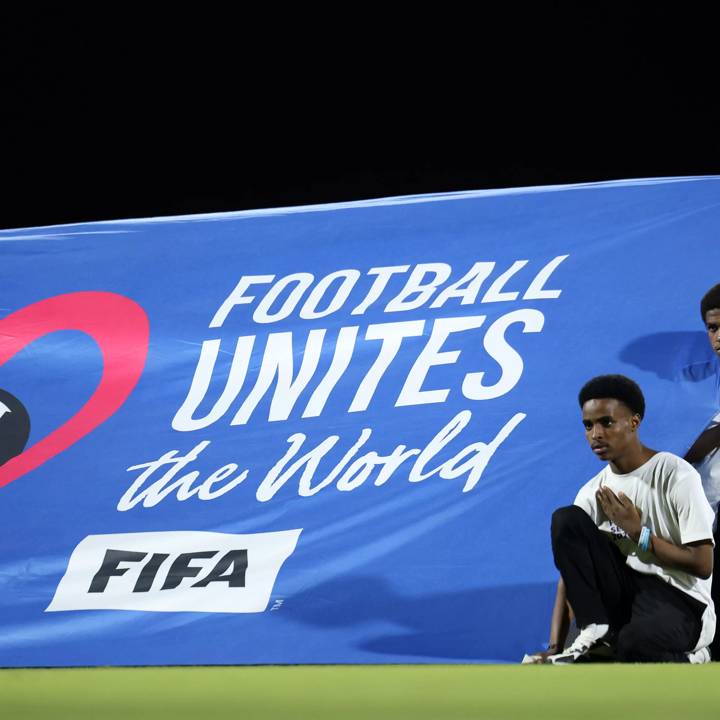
x: 644, y: 541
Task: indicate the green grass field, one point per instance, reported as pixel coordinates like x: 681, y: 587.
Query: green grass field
x: 347, y: 692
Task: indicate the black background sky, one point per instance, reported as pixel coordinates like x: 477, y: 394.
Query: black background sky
x: 118, y: 113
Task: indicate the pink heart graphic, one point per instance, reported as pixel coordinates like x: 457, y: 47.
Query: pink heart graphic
x: 121, y: 329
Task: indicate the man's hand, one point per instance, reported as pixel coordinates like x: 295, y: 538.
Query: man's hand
x: 620, y: 510
x: 540, y: 658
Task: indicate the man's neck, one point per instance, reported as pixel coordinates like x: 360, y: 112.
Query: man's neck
x: 635, y: 457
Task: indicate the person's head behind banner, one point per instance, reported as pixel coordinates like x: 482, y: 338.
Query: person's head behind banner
x: 710, y: 312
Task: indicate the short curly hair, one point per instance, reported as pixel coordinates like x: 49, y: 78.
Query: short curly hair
x: 618, y: 387
x: 710, y: 301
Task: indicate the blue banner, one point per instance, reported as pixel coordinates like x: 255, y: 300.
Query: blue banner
x: 328, y: 434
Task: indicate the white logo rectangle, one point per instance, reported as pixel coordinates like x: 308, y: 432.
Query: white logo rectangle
x: 184, y: 571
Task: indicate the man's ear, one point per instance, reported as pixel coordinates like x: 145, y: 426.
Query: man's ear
x: 635, y: 421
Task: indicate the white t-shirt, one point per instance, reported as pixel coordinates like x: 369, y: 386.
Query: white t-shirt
x: 670, y: 497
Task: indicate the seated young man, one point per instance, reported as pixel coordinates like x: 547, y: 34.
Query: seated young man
x: 705, y: 451
x: 635, y: 550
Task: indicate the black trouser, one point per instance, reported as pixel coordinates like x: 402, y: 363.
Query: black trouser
x: 654, y: 621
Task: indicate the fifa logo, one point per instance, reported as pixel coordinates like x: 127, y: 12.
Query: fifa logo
x: 181, y: 571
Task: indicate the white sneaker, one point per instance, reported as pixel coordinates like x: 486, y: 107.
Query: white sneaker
x: 591, y: 639
x: 699, y: 657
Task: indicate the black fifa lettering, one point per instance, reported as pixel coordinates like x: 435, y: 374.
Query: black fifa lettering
x: 149, y: 572
x: 235, y: 559
x: 181, y: 568
x: 111, y: 567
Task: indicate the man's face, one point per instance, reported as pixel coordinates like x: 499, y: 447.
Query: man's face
x: 712, y: 323
x: 609, y: 427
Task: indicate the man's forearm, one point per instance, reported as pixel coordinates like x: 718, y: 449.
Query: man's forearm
x: 560, y: 621
x: 706, y: 442
x: 696, y: 559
